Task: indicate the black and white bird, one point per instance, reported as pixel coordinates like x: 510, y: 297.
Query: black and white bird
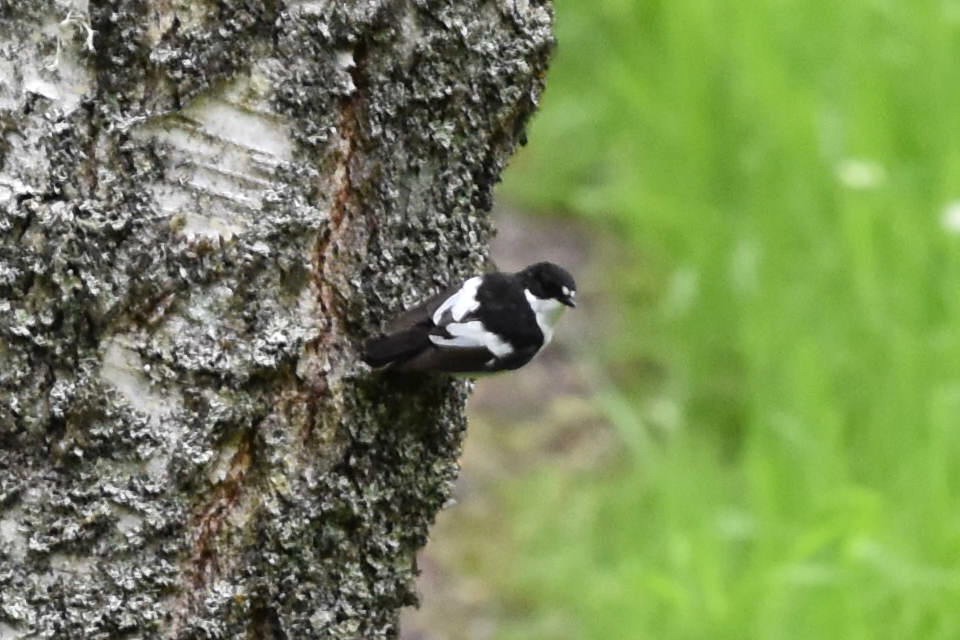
x: 494, y: 322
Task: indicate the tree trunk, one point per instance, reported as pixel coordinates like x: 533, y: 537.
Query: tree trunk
x: 206, y: 206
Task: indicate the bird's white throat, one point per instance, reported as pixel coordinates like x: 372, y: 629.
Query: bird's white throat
x: 547, y: 313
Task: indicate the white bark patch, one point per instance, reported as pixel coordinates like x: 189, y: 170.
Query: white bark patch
x: 63, y: 79
x: 122, y: 368
x: 222, y: 154
x: 200, y: 226
x: 243, y: 126
x: 33, y: 83
x: 345, y: 59
x: 128, y: 521
x: 220, y: 469
x: 346, y: 62
x: 13, y: 543
x: 10, y: 188
x: 310, y: 6
x: 59, y: 82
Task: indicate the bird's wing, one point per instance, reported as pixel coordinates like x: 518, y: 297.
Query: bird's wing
x: 380, y: 351
x: 470, y: 334
x: 465, y: 360
x: 448, y: 360
x: 461, y: 304
x: 421, y: 314
x: 451, y: 305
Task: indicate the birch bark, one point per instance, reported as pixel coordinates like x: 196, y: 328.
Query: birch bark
x: 204, y: 208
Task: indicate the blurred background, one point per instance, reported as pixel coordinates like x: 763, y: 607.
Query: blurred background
x: 750, y: 427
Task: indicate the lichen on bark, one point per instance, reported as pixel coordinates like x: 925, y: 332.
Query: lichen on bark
x: 205, y: 207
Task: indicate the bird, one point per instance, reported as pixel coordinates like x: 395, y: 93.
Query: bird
x: 488, y: 323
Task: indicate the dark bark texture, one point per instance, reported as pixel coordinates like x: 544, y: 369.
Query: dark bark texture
x: 205, y: 206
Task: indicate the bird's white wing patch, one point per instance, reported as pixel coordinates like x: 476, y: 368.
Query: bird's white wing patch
x: 460, y: 303
x: 547, y: 313
x: 472, y: 335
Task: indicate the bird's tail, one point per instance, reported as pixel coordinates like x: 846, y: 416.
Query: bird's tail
x: 396, y: 347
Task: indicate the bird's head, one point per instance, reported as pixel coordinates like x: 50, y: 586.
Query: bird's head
x: 547, y: 281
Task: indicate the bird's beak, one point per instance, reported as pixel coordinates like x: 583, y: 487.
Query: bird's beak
x: 569, y: 301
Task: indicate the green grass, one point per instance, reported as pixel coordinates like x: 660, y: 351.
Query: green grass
x: 781, y: 168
